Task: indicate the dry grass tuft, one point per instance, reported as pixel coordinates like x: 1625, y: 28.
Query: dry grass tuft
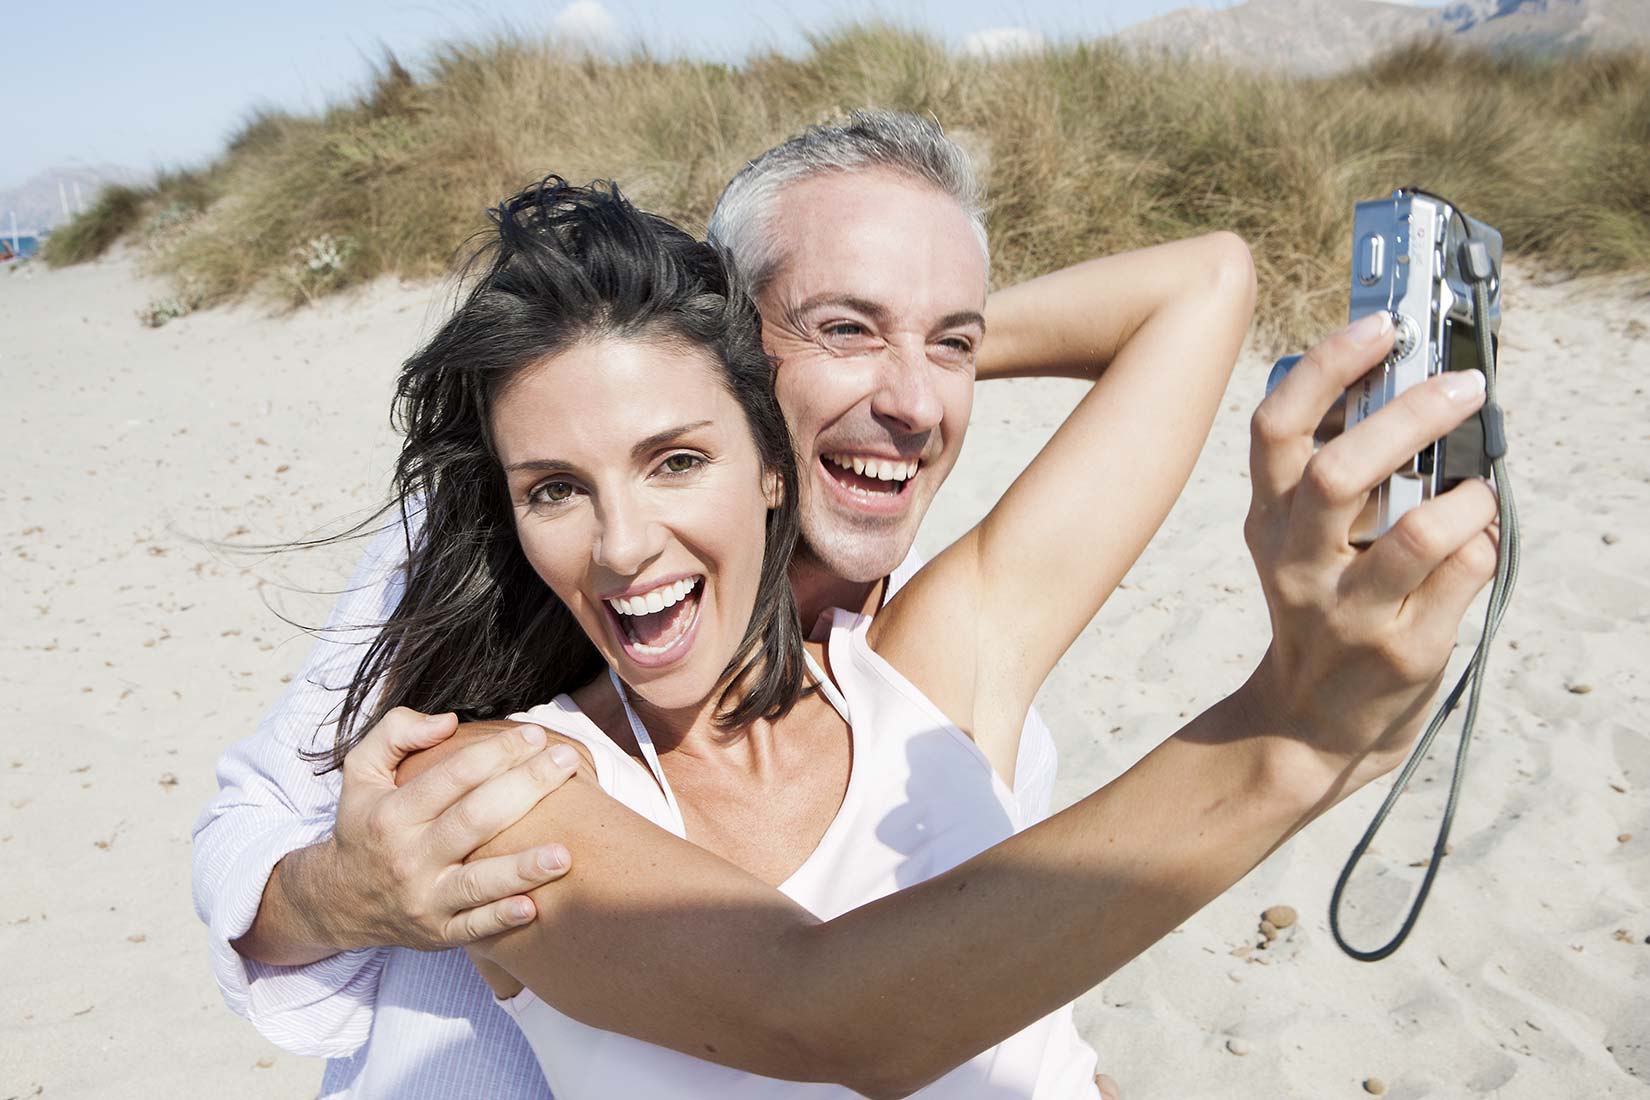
x: 1087, y: 148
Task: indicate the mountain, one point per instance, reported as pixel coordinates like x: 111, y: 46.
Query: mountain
x: 36, y: 200
x: 1315, y: 37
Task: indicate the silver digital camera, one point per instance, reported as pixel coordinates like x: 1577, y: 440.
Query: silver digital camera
x: 1416, y: 257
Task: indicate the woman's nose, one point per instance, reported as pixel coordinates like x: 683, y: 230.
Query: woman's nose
x: 629, y: 536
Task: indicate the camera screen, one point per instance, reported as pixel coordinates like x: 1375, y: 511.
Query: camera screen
x: 1460, y: 455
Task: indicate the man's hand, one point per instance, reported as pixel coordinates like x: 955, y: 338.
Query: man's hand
x: 1360, y: 636
x: 393, y: 872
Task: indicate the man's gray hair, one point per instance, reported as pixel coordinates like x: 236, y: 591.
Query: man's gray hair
x: 904, y: 143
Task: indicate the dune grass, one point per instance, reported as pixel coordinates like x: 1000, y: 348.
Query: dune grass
x: 1086, y: 149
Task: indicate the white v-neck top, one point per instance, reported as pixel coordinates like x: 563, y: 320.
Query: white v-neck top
x: 921, y: 798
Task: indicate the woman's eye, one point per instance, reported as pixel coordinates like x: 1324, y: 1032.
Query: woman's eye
x: 550, y: 492
x: 682, y: 463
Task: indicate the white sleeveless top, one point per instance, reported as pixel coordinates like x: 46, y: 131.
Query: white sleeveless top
x: 921, y: 799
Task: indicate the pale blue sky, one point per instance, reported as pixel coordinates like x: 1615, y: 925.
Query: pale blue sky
x: 162, y: 83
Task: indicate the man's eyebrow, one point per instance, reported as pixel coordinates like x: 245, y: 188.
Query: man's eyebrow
x: 878, y: 313
x: 641, y: 449
x: 871, y: 309
x: 962, y: 318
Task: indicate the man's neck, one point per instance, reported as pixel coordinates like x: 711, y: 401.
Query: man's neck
x: 818, y: 590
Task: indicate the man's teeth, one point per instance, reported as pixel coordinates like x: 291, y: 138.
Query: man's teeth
x: 649, y: 603
x: 879, y: 468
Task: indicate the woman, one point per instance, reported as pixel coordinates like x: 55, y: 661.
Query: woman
x: 598, y: 418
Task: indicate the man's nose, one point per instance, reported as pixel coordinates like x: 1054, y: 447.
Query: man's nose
x: 629, y: 536
x: 906, y: 393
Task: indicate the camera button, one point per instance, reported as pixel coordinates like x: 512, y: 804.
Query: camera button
x: 1370, y: 264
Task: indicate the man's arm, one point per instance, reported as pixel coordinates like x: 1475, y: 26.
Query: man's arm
x: 284, y: 911
x: 1054, y: 326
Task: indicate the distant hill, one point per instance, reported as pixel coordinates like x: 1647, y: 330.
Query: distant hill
x: 1317, y: 37
x: 36, y: 201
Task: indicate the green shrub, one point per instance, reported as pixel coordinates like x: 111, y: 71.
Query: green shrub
x: 1086, y: 149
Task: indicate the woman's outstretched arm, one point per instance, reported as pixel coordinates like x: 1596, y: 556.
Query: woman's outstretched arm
x: 654, y: 937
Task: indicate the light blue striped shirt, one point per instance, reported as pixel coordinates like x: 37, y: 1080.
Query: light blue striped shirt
x: 392, y: 1022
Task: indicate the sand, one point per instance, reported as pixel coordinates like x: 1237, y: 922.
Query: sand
x: 137, y: 649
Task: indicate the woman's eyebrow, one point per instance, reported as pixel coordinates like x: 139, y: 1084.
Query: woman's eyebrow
x: 640, y: 450
x: 538, y: 464
x: 659, y: 439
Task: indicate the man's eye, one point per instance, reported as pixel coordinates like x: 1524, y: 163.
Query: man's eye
x: 958, y: 344
x: 845, y: 329
x: 682, y: 463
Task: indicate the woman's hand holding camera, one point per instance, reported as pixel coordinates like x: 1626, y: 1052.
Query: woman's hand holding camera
x: 1360, y: 636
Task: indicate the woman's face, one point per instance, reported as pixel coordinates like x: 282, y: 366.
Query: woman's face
x: 640, y: 500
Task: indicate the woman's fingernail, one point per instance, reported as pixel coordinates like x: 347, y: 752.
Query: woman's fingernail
x: 435, y: 719
x: 553, y: 858
x: 564, y: 755
x: 1373, y: 327
x: 532, y: 735
x: 521, y: 909
x: 1463, y: 385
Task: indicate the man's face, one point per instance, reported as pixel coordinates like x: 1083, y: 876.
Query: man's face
x: 874, y: 317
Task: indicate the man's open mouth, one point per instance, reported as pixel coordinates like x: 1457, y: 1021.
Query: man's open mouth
x: 868, y: 476
x: 654, y: 623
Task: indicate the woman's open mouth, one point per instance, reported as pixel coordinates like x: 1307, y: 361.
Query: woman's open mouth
x: 869, y: 482
x: 656, y: 626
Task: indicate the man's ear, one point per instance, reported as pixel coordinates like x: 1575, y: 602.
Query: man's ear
x: 773, y: 489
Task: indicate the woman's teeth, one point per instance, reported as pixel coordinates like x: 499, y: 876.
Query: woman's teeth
x: 879, y: 468
x: 650, y: 603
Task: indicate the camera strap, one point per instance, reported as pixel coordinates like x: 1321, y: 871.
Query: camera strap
x: 1478, y: 268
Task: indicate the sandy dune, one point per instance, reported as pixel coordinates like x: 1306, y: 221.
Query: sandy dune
x: 137, y: 649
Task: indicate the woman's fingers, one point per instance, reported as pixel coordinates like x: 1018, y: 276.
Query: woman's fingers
x: 1400, y: 561
x: 489, y: 895
x: 1338, y: 479
x: 1282, y: 427
x: 1445, y: 595
x: 501, y: 801
x: 1108, y: 1088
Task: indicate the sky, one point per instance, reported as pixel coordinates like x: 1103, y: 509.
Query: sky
x: 148, y: 85
x: 157, y: 84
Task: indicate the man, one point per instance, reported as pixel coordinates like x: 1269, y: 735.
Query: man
x: 851, y: 238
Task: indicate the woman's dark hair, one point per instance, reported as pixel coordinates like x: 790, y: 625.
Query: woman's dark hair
x: 477, y: 631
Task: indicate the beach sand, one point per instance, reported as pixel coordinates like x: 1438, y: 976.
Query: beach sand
x: 137, y: 649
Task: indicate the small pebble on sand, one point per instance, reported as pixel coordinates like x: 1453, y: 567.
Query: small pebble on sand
x: 1239, y: 1047
x: 1578, y: 689
x: 1269, y: 930
x: 1375, y: 1086
x: 1610, y: 539
x: 1624, y: 838
x: 1281, y: 916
